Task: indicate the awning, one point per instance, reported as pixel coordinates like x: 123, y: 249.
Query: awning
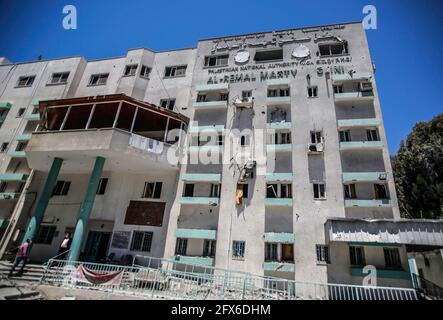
x: 401, y: 231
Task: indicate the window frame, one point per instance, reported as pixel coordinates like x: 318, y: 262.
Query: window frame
x: 61, y: 188
x: 322, y: 254
x: 312, y: 91
x: 344, y: 44
x: 28, y: 79
x: 144, y: 244
x: 168, y: 102
x: 321, y: 190
x: 391, y: 258
x: 132, y: 72
x: 61, y: 76
x: 238, y: 249
x: 145, y: 71
x: 47, y: 232
x: 271, y: 252
x: 218, y: 58
x: 155, y: 193
x: 99, y: 77
x: 102, y: 181
x: 356, y: 258
x: 181, y: 246
x: 173, y: 71
x: 209, y: 248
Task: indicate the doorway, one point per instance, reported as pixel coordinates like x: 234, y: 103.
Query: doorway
x: 96, y: 246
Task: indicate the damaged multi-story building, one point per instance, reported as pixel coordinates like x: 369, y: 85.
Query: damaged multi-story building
x: 263, y: 153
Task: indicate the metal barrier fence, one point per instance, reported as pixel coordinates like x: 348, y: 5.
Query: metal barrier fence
x: 166, y: 279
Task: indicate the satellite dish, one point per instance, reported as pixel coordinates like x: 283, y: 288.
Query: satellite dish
x: 301, y: 51
x: 242, y: 56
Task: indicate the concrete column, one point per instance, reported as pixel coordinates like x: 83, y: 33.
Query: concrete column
x: 86, y: 208
x: 42, y: 203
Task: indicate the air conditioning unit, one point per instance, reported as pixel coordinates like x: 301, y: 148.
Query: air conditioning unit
x: 316, y: 147
x: 382, y: 176
x: 244, y: 102
x: 247, y: 170
x: 366, y: 86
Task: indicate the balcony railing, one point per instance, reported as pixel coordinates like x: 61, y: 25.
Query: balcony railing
x: 355, y: 123
x: 285, y: 100
x: 210, y: 201
x: 194, y: 260
x: 354, y: 145
x: 195, y: 233
x: 365, y: 203
x: 220, y: 104
x: 279, y: 266
x: 364, y: 176
x: 282, y: 202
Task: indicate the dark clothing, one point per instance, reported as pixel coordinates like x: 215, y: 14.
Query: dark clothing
x: 62, y: 251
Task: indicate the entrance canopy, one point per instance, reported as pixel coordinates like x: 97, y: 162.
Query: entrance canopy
x: 401, y: 231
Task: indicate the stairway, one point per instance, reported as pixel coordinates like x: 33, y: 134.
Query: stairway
x: 31, y: 273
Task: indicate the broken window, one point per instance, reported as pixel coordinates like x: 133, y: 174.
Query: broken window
x: 60, y: 77
x: 345, y: 136
x: 372, y: 135
x: 271, y: 252
x: 215, y: 191
x: 279, y: 190
x: 201, y: 98
x: 167, y: 103
x: 238, y: 249
x: 319, y: 191
x: 20, y: 112
x: 380, y: 191
x: 246, y: 94
x: 350, y: 192
x: 392, y: 258
x: 175, y: 71
x: 322, y: 253
x: 357, y: 256
x: 209, y: 248
x: 268, y: 55
x: 152, y: 190
x: 181, y: 246
x: 45, y: 234
x: 131, y: 70
x: 224, y: 96
x: 4, y: 146
x: 316, y: 137
x: 98, y: 79
x: 214, y: 61
x: 283, y: 92
x: 145, y: 71
x: 25, y: 81
x: 188, y: 190
x: 61, y: 188
x: 331, y: 49
x: 21, y: 146
x: 312, y: 92
x: 141, y: 241
x: 102, y: 186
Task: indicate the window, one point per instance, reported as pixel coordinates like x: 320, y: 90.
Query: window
x: 175, y: 71
x: 45, y: 234
x: 20, y: 187
x: 4, y: 146
x: 271, y: 191
x: 25, y: 81
x: 345, y: 135
x: 278, y: 92
x: 98, y: 79
x: 167, y: 103
x: 268, y: 55
x: 215, y: 61
x: 312, y: 92
x: 349, y: 190
x: 21, y: 112
x: 372, y: 135
x: 332, y: 49
x: 338, y: 88
x: 244, y: 140
x: 60, y: 77
x: 141, y: 241
x: 224, y: 96
x: 189, y: 190
x: 357, y: 255
x: 61, y: 188
x: 246, y: 94
x: 279, y: 190
x: 131, y: 70
x: 286, y: 191
x: 319, y: 191
x: 238, y: 249
x: 280, y: 138
x: 209, y: 248
x: 152, y: 190
x: 181, y: 246
x: 34, y: 111
x: 21, y: 146
x: 322, y: 253
x: 244, y: 187
x: 316, y: 137
x: 102, y: 185
x: 392, y: 258
x: 201, y: 98
x: 271, y: 252
x: 3, y: 186
x: 380, y: 191
x: 215, y: 191
x: 145, y: 71
x: 287, y: 252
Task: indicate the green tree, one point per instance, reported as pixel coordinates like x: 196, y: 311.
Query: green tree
x: 418, y: 171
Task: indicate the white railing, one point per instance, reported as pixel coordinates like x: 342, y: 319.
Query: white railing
x: 161, y: 278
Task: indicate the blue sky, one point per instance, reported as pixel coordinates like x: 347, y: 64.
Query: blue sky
x: 407, y: 47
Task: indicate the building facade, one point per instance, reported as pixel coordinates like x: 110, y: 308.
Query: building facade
x: 281, y: 153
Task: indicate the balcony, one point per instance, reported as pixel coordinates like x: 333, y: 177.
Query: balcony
x: 23, y: 137
x: 9, y: 195
x: 17, y: 154
x: 277, y: 82
x: 354, y: 96
x: 206, y: 129
x: 213, y: 87
x: 274, y: 237
x: 13, y: 177
x: 287, y: 147
x: 356, y: 123
x: 5, y: 105
x: 279, y: 177
x: 349, y: 177
x: 279, y: 125
x: 197, y: 261
x: 280, y: 202
x: 219, y: 104
x: 35, y: 102
x: 207, y: 201
x: 195, y: 234
x: 383, y: 273
x: 368, y: 203
x: 270, y: 101
x: 361, y: 145
x: 201, y: 177
x: 205, y: 149
x: 32, y: 117
x: 279, y: 266
x: 358, y: 76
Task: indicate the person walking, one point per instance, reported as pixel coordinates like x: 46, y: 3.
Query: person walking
x: 22, y: 255
x: 64, y: 246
